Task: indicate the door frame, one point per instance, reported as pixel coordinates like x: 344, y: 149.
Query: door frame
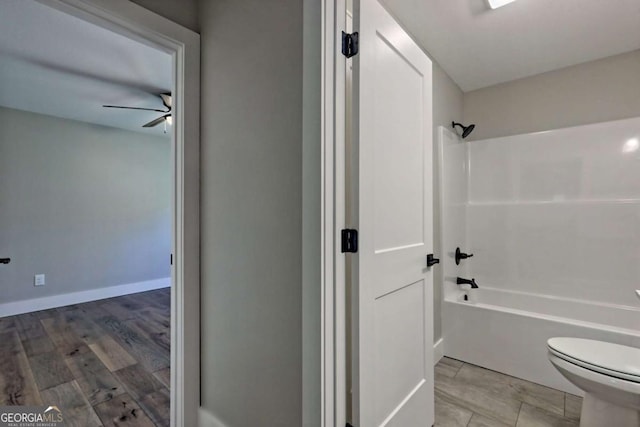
x: 333, y: 207
x: 140, y: 24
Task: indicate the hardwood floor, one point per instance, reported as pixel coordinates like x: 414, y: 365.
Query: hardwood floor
x: 103, y: 363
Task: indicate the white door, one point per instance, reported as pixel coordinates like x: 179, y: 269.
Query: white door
x: 393, y: 300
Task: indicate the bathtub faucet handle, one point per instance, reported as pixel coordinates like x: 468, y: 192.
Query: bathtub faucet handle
x: 461, y: 255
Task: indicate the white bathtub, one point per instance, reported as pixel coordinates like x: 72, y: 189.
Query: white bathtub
x: 506, y: 331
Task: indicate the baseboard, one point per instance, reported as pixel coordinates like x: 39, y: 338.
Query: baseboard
x: 54, y: 301
x: 438, y: 351
x: 207, y: 419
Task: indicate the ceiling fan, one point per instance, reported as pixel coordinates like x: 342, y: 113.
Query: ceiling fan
x: 166, y: 118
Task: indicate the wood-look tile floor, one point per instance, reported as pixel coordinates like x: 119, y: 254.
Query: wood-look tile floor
x: 103, y: 363
x: 470, y: 396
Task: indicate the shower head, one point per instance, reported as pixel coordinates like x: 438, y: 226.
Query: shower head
x: 466, y: 130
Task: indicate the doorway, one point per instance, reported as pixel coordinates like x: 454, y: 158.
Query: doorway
x: 182, y: 48
x: 382, y: 308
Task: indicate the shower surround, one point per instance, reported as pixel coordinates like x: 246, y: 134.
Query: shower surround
x: 553, y: 220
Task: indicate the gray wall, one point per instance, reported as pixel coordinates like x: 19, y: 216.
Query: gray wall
x: 183, y: 12
x: 251, y: 157
x: 87, y: 205
x: 311, y: 196
x: 596, y: 91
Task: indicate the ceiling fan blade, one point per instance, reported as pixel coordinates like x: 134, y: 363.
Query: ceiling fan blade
x: 156, y: 122
x: 134, y: 108
x: 166, y: 100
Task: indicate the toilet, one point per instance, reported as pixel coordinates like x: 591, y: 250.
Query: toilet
x: 609, y: 374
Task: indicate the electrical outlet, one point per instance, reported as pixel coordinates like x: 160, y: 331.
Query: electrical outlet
x: 38, y: 280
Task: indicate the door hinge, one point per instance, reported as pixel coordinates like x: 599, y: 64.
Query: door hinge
x: 349, y: 240
x: 349, y: 44
x: 171, y: 259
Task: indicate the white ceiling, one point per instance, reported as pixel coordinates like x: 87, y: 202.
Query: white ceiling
x: 480, y: 47
x: 55, y: 64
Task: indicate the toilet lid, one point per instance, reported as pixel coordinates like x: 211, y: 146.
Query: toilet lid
x: 610, y: 359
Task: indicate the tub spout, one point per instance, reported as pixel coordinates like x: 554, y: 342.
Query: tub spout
x: 462, y: 281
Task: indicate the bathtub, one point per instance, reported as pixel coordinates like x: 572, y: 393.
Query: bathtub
x: 506, y: 331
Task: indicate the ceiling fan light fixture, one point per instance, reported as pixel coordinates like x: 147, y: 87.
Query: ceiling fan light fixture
x: 494, y: 4
x: 164, y: 119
